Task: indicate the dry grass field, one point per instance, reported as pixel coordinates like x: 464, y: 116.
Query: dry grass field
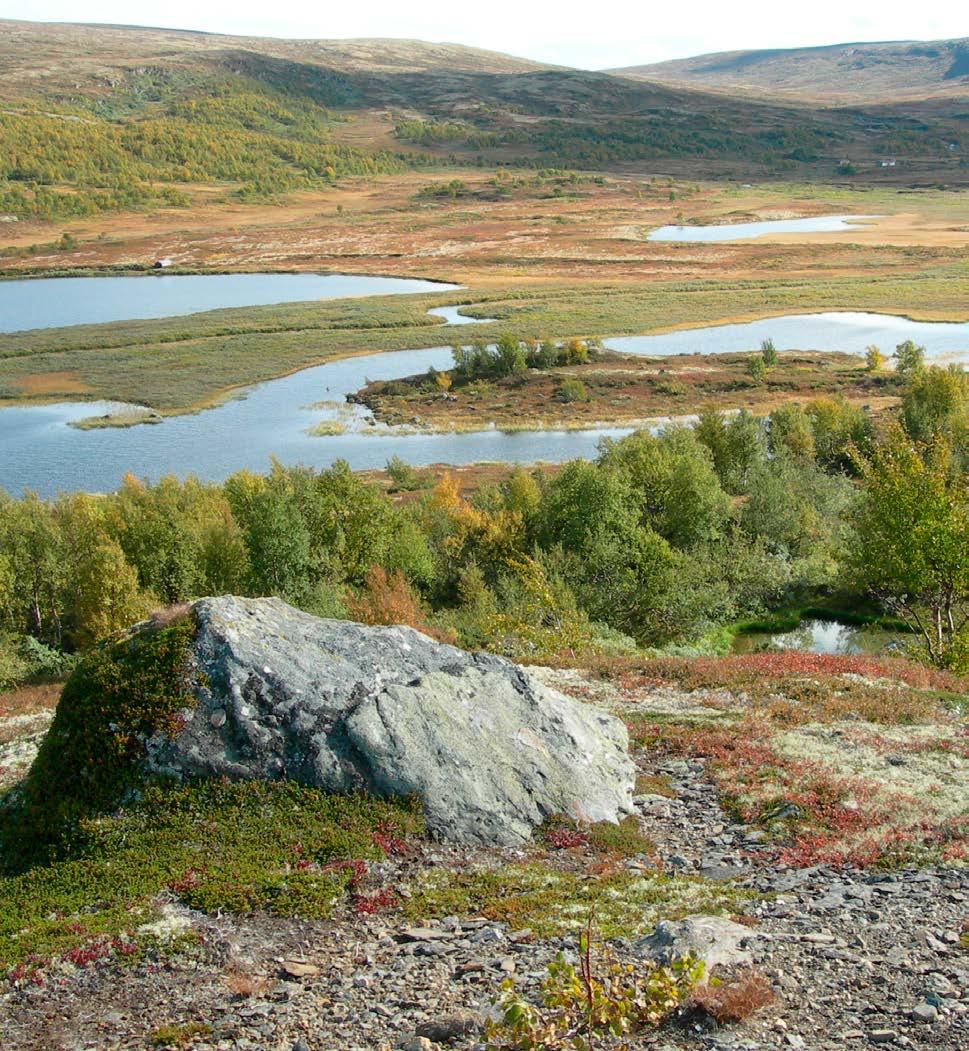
x: 547, y: 257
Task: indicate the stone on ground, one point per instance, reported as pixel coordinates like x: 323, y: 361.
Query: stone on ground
x: 489, y: 750
x: 716, y: 941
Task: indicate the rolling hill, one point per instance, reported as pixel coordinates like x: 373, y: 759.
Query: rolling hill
x: 96, y: 118
x: 843, y: 73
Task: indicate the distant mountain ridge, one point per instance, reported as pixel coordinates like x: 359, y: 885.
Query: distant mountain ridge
x: 884, y: 71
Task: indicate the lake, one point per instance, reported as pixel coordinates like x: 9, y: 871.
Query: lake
x: 820, y: 224
x: 39, y: 451
x: 835, y: 330
x: 55, y: 302
x: 820, y: 636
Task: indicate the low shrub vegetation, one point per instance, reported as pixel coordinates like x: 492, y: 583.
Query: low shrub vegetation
x: 733, y: 1000
x: 273, y: 847
x: 592, y: 1002
x: 552, y: 899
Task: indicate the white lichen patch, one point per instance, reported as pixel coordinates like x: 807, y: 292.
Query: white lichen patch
x: 20, y: 739
x: 16, y: 727
x: 170, y: 925
x: 665, y: 702
x: 927, y: 764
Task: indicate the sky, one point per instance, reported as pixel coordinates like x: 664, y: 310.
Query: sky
x: 594, y: 34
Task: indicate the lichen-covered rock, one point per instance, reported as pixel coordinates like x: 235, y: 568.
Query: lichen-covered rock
x: 490, y: 751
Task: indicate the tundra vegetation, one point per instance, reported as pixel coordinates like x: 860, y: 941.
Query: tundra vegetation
x: 517, y: 384
x: 626, y: 576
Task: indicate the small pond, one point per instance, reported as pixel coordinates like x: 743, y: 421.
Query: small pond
x: 820, y: 224
x: 820, y: 636
x: 453, y: 316
x: 53, y: 302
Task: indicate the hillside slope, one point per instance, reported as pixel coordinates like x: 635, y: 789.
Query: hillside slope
x: 66, y: 56
x: 98, y: 118
x: 857, y: 73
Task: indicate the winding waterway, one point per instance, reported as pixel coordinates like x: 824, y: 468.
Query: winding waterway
x: 40, y: 452
x: 55, y: 302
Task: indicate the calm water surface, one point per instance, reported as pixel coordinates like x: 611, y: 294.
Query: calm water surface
x: 820, y: 636
x: 54, y: 302
x: 38, y: 451
x: 822, y: 224
x: 452, y: 317
x: 837, y: 330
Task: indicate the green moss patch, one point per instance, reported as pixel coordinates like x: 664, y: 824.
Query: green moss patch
x: 655, y: 785
x: 179, y: 1035
x: 274, y: 847
x: 120, y: 694
x: 553, y: 902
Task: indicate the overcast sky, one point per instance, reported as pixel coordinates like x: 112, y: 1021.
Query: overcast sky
x: 594, y: 34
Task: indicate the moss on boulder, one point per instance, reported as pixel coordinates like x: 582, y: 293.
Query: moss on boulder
x: 121, y: 694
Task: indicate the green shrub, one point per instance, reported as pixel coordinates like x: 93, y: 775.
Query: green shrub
x: 757, y: 368
x: 596, y: 1001
x: 571, y: 390
x: 769, y: 353
x: 406, y: 479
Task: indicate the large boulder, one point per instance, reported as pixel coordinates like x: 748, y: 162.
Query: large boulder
x: 490, y: 751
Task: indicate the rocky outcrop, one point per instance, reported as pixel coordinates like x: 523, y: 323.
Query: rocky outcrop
x: 490, y: 751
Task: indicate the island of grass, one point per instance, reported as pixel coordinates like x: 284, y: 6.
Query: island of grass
x: 599, y: 387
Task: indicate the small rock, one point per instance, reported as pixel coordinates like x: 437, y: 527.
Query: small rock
x: 924, y: 1012
x: 299, y: 968
x: 423, y: 934
x: 882, y: 1036
x: 451, y: 1027
x: 712, y: 939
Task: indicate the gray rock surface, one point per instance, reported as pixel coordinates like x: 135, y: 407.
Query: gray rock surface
x: 489, y: 750
x: 716, y: 941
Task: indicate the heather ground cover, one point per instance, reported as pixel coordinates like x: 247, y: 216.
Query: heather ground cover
x: 839, y: 760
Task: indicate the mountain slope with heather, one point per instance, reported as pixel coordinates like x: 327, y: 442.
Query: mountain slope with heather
x: 866, y: 72
x: 99, y: 118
